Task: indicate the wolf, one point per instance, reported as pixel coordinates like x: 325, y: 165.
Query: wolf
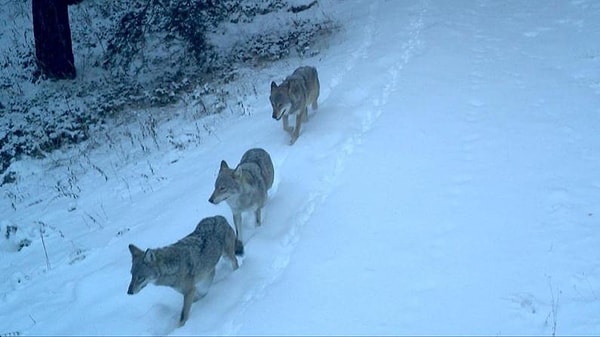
x: 245, y: 187
x: 293, y: 95
x: 187, y: 262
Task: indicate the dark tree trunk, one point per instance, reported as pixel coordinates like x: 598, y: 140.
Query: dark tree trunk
x: 53, y: 49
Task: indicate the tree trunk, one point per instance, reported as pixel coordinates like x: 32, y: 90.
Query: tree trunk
x: 52, y: 33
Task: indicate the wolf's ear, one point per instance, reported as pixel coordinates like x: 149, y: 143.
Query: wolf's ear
x: 237, y: 173
x: 135, y: 251
x: 149, y: 256
x: 223, y: 165
x: 273, y: 85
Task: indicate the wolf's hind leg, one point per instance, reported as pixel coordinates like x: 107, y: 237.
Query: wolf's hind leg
x: 230, y: 251
x: 188, y: 298
x: 203, y: 285
x: 232, y: 247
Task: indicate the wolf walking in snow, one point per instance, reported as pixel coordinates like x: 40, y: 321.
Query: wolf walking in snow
x: 187, y: 262
x: 292, y: 97
x: 245, y: 187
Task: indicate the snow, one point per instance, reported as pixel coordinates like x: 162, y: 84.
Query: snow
x: 447, y: 184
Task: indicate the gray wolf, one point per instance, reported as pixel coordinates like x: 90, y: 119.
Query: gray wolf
x: 292, y: 97
x: 245, y: 187
x: 187, y: 262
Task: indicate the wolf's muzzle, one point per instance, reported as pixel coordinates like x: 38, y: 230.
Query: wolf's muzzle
x: 277, y: 116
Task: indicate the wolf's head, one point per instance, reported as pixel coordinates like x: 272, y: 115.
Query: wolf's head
x: 280, y: 100
x: 143, y: 269
x: 226, y: 184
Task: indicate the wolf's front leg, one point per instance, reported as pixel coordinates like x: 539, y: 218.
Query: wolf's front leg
x: 237, y: 221
x: 258, y: 215
x: 286, y: 124
x: 296, y: 133
x: 305, y: 118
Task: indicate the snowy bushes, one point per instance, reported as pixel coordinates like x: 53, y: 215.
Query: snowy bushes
x: 134, y: 54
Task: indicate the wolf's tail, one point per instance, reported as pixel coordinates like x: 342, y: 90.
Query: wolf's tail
x: 239, y: 248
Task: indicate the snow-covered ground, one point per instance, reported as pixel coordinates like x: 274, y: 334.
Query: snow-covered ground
x: 448, y: 184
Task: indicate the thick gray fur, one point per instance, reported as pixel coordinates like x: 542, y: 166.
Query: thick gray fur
x: 245, y: 187
x: 293, y: 96
x: 187, y: 262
